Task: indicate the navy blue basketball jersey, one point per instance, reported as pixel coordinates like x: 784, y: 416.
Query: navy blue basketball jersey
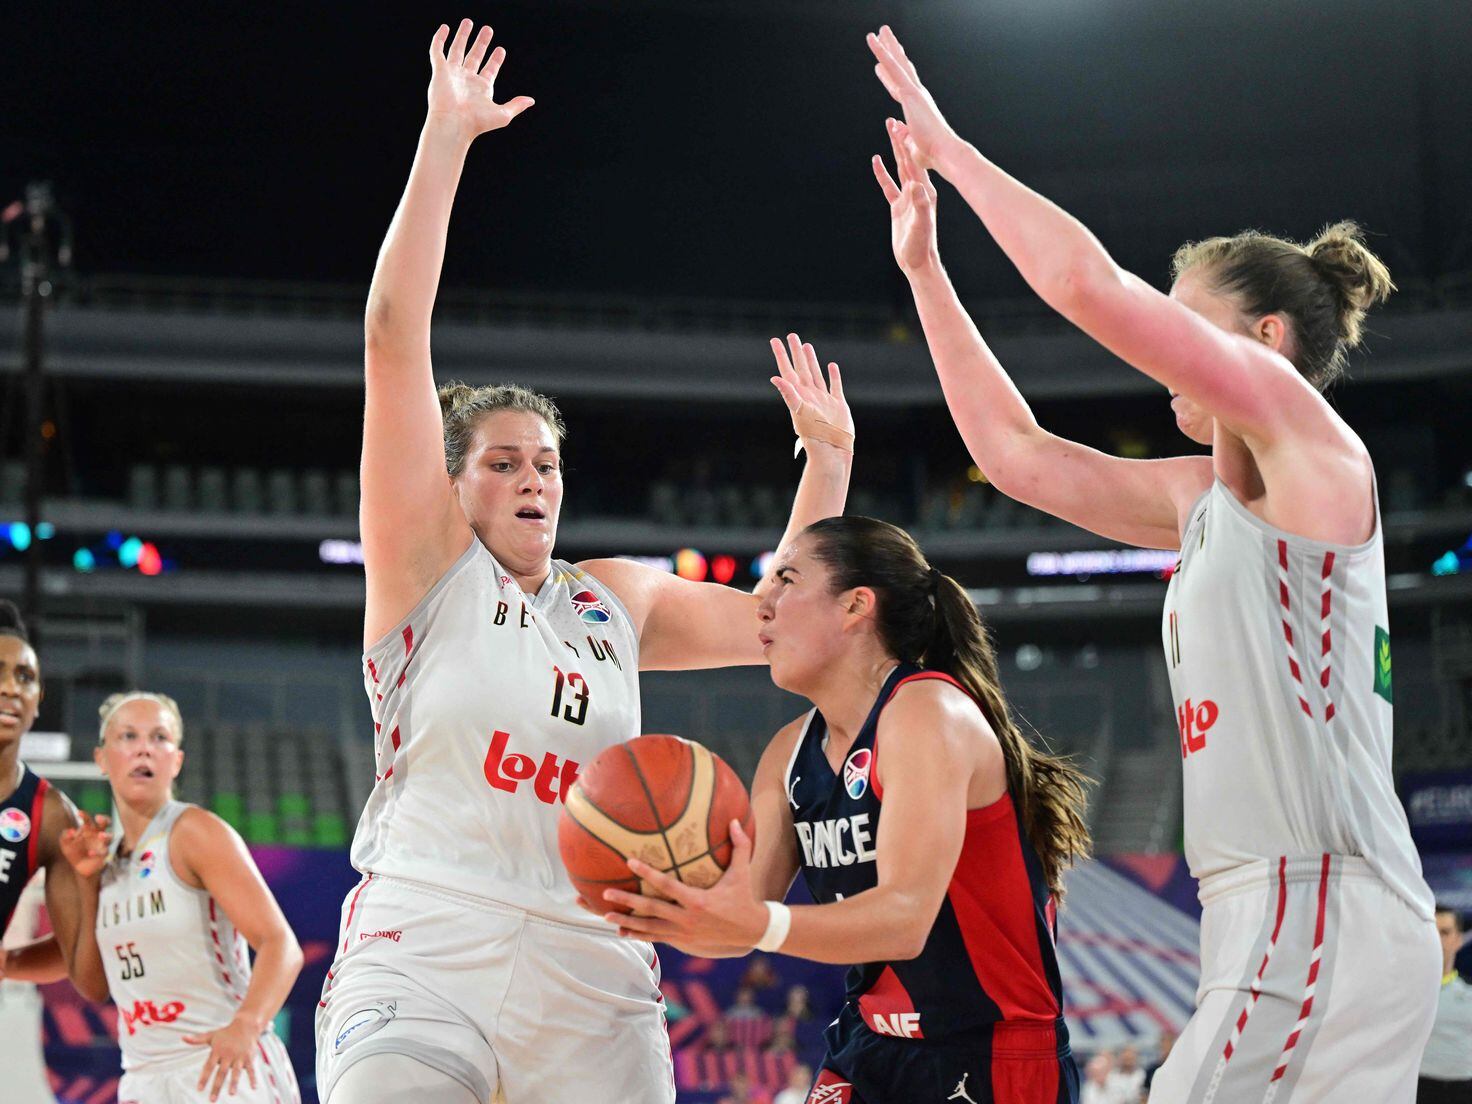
x: 20, y: 834
x: 988, y: 967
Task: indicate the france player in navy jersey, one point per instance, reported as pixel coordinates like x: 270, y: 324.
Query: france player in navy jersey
x: 930, y: 832
x: 34, y: 817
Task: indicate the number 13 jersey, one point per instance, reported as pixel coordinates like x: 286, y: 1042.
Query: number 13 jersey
x: 486, y: 702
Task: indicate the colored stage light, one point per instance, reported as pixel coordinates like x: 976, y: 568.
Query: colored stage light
x: 723, y: 568
x: 149, y: 561
x: 20, y: 535
x: 690, y: 564
x: 129, y: 552
x: 83, y: 560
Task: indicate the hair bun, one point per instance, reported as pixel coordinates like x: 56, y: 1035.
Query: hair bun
x: 1358, y: 277
x: 11, y: 621
x: 454, y: 394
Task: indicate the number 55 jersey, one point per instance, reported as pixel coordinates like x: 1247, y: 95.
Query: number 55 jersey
x: 486, y: 701
x: 175, y: 966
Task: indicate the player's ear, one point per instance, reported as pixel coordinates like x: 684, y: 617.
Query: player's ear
x: 861, y: 602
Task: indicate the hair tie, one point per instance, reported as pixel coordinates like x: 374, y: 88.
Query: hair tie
x: 935, y: 578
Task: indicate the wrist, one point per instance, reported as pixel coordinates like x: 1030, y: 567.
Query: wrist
x: 254, y: 1022
x: 950, y: 152
x: 779, y: 923
x: 447, y: 130
x: 926, y: 269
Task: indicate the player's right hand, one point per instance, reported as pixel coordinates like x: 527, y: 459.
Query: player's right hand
x: 897, y: 73
x: 86, y: 845
x: 911, y: 203
x: 461, y: 91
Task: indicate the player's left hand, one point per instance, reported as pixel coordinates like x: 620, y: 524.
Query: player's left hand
x: 800, y: 382
x: 725, y: 915
x: 232, y: 1051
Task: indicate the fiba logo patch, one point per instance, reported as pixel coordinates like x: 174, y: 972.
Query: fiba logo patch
x: 587, y: 606
x: 14, y: 825
x: 363, y: 1023
x: 856, y: 772
x: 146, y: 862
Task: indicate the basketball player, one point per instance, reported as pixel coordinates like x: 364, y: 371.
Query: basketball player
x: 1318, y: 952
x: 930, y: 832
x: 33, y: 817
x: 494, y: 671
x: 171, y: 910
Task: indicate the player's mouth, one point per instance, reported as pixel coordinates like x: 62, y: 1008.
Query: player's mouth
x: 9, y: 714
x: 141, y: 772
x: 531, y: 513
x: 765, y: 640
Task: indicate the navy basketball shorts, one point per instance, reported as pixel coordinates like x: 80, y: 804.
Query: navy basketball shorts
x: 1014, y: 1065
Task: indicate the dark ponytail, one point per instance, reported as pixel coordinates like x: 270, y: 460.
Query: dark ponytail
x: 926, y: 618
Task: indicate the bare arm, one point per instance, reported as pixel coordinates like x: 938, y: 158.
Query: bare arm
x: 412, y: 527
x: 208, y: 852
x: 1135, y: 501
x: 927, y: 776
x: 685, y: 626
x: 1251, y: 389
x: 40, y: 962
x: 73, y: 878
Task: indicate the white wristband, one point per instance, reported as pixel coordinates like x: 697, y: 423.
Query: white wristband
x: 779, y: 921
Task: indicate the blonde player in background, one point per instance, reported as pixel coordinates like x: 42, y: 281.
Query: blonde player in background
x: 172, y: 908
x: 465, y: 966
x: 1319, y: 957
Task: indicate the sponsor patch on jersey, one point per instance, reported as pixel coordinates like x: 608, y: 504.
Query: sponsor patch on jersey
x: 830, y: 1088
x: 364, y: 1023
x: 146, y: 862
x: 14, y: 825
x: 856, y: 772
x: 1382, y: 663
x: 590, y: 608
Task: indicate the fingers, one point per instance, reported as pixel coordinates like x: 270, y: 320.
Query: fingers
x: 518, y: 105
x: 904, y: 161
x: 437, y: 46
x: 642, y: 927
x: 642, y: 906
x: 661, y: 882
x: 197, y: 1040
x: 804, y: 360
x: 460, y: 41
x: 784, y: 366
x: 740, y: 846
x: 493, y: 67
x: 887, y: 185
x: 897, y: 50
x: 220, y: 1072
x: 235, y: 1079
x: 891, y: 71
x: 250, y: 1074
x: 477, y: 52
x: 204, y: 1074
x: 835, y: 381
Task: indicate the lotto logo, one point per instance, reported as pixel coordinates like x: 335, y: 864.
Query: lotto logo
x: 1193, y: 720
x: 507, y: 772
x: 146, y: 1014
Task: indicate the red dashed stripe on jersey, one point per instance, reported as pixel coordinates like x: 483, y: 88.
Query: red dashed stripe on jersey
x: 229, y: 981
x: 1293, y: 665
x: 1306, y: 1010
x: 270, y: 1073
x: 1325, y: 604
x: 1256, y: 990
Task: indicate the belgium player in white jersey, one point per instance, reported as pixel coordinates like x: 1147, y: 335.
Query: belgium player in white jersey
x: 465, y: 968
x: 1318, y: 952
x: 172, y: 907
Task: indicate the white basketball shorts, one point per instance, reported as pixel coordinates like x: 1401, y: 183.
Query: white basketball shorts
x: 174, y: 1083
x: 1318, y: 983
x: 501, y: 1000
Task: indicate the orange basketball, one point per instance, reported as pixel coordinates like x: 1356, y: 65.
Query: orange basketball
x: 661, y: 799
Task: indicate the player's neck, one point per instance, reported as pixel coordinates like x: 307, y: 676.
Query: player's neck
x: 846, y: 695
x: 136, y: 818
x: 9, y: 769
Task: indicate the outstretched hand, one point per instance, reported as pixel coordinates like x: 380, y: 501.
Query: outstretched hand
x: 86, y: 845
x: 461, y: 91
x: 726, y: 915
x: 911, y: 203
x: 818, y: 408
x: 928, y: 129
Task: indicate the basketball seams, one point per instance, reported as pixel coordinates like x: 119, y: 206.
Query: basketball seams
x: 654, y: 805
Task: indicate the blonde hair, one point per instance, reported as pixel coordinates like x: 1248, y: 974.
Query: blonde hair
x: 1324, y: 287
x: 462, y: 407
x: 109, y: 708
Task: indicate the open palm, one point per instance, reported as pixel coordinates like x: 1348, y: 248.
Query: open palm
x: 461, y: 89
x: 801, y: 384
x: 911, y: 203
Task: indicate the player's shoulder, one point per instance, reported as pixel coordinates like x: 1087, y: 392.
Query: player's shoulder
x: 781, y: 746
x: 933, y: 709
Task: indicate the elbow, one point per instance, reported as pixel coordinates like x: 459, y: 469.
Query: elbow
x: 292, y: 958
x: 93, y: 988
x: 1079, y: 285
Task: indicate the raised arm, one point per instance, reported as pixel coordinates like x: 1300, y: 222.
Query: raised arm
x: 208, y: 851
x: 412, y: 527
x: 685, y: 626
x: 1135, y: 501
x: 1251, y: 389
x: 73, y: 879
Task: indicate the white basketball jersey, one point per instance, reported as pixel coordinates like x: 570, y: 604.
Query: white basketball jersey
x: 175, y: 964
x: 487, y: 701
x: 1279, y: 657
